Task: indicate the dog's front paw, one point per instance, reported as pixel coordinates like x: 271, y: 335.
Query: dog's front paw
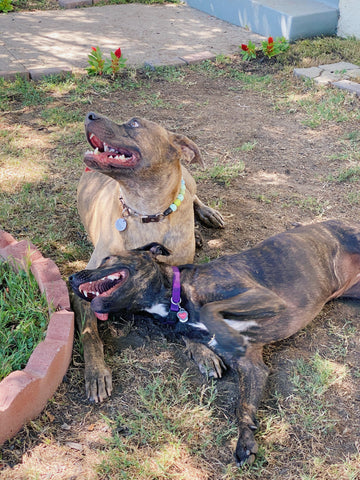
x: 209, y: 217
x: 208, y: 362
x: 98, y: 383
x: 198, y: 239
x: 246, y: 448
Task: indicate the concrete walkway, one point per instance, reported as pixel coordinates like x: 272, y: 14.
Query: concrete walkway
x: 34, y: 43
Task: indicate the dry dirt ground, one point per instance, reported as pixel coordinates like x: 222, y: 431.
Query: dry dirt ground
x: 287, y: 179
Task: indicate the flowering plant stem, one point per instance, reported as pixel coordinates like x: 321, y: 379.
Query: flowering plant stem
x: 108, y: 66
x: 270, y: 48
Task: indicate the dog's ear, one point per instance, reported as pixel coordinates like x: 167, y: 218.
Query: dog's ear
x: 190, y: 151
x: 155, y: 249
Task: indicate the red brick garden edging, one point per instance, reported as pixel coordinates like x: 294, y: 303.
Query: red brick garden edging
x: 24, y: 393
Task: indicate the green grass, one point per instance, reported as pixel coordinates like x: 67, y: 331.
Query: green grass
x: 252, y: 81
x: 322, y: 50
x: 327, y: 108
x: 248, y: 146
x: 148, y: 2
x: 307, y: 202
x: 169, y: 421
x: 311, y: 379
x: 349, y: 159
x: 23, y: 318
x: 24, y: 5
x: 222, y: 173
x: 354, y: 197
x: 314, y: 378
x: 350, y: 174
x: 25, y: 92
x: 61, y: 116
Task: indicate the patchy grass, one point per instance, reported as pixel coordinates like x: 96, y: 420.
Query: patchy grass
x: 25, y: 5
x: 23, y: 318
x: 167, y: 425
x: 222, y: 172
x: 322, y: 50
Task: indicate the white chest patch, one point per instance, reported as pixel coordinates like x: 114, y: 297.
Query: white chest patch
x: 158, y: 309
x: 241, y: 326
x: 199, y: 325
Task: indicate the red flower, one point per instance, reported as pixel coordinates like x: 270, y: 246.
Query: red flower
x: 118, y: 53
x: 270, y: 40
x: 93, y: 48
x: 244, y: 47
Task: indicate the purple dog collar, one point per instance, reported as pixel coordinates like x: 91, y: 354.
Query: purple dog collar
x: 175, y: 296
x: 181, y: 313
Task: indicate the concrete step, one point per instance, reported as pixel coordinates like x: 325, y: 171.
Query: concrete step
x: 291, y: 19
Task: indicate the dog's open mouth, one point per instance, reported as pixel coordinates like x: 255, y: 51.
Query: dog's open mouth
x: 104, y: 287
x: 106, y: 155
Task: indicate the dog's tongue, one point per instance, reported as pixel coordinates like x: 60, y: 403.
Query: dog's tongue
x: 102, y: 316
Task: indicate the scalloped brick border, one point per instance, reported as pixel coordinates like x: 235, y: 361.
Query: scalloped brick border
x: 24, y: 393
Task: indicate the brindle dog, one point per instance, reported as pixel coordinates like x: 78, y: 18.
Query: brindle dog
x: 238, y: 303
x: 134, y: 191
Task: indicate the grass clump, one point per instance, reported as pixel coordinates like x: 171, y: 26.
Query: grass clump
x: 222, y: 173
x: 321, y: 50
x: 169, y: 423
x: 23, y: 318
x: 311, y: 379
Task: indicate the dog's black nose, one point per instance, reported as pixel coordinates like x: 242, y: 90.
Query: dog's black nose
x: 91, y: 116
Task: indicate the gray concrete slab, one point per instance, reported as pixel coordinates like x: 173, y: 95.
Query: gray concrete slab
x: 349, y: 86
x: 336, y: 74
x: 153, y: 34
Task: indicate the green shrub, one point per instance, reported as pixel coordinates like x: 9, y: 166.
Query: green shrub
x: 6, y: 6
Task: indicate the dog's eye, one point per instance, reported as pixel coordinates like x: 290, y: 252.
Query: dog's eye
x: 104, y: 260
x: 134, y: 123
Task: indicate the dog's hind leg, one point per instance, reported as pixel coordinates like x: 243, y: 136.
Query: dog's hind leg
x: 98, y: 383
x: 207, y: 215
x: 253, y: 375
x: 236, y: 321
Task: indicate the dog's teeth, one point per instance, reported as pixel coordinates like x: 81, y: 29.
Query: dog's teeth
x: 96, y: 293
x: 85, y: 293
x: 91, y: 136
x: 106, y: 148
x: 96, y: 151
x: 112, y: 150
x: 112, y: 277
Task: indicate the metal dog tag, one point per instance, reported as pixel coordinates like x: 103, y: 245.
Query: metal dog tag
x: 182, y: 315
x: 120, y: 224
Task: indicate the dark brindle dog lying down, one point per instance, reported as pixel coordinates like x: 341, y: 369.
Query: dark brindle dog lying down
x: 236, y: 304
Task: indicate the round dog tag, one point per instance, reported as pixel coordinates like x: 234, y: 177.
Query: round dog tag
x: 120, y: 224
